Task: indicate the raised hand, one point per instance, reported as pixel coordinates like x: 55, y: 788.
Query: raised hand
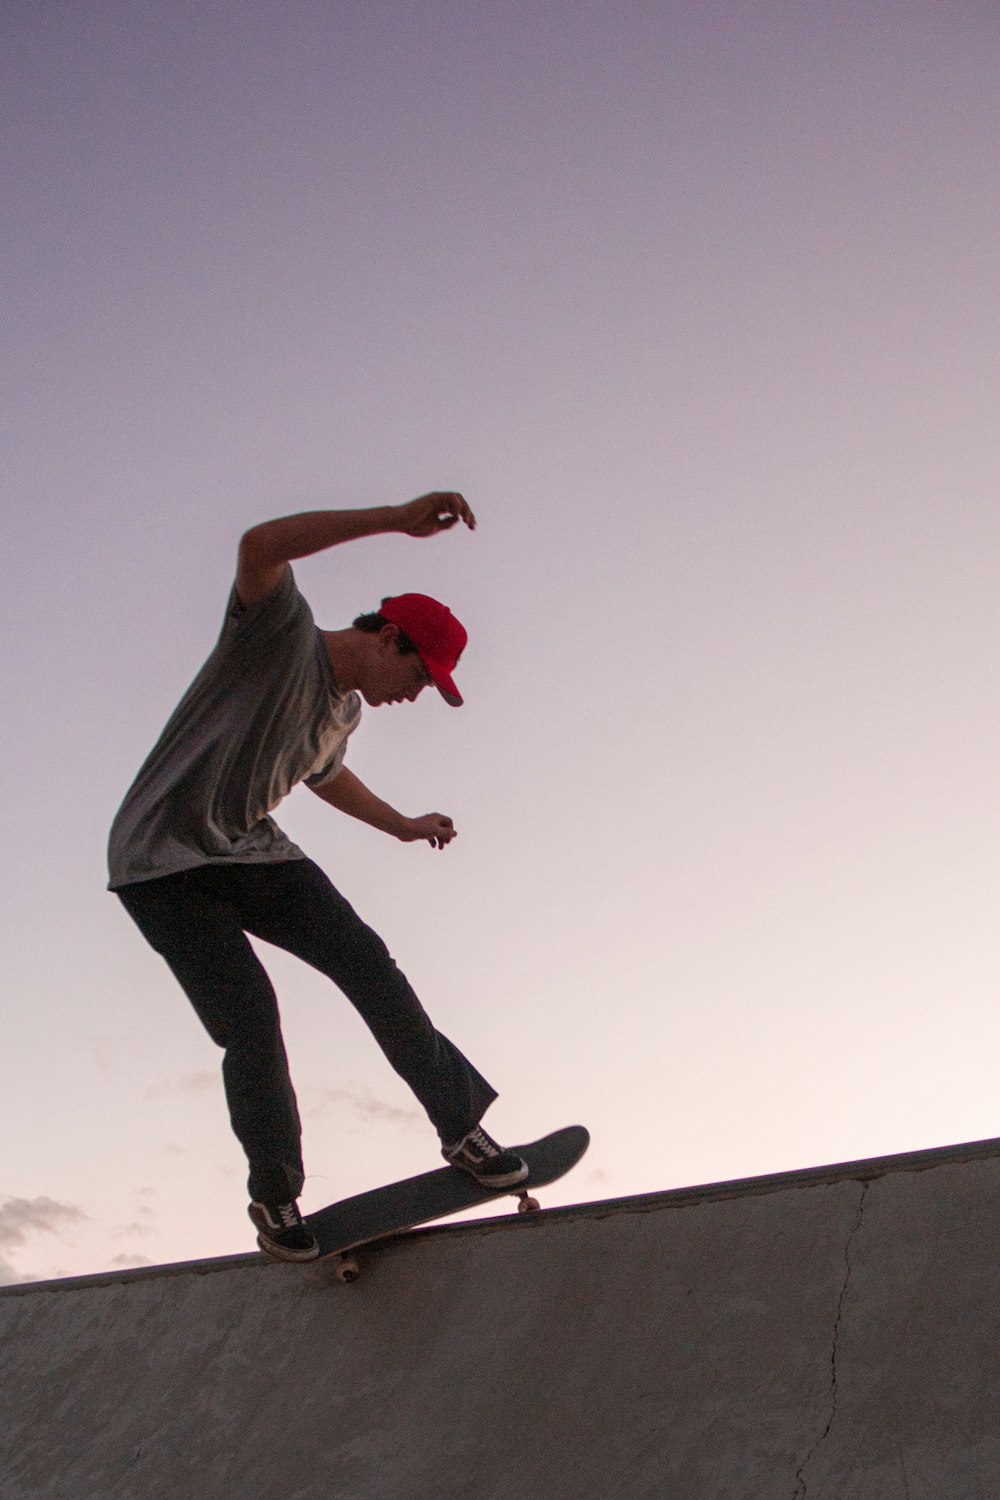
x: 437, y: 511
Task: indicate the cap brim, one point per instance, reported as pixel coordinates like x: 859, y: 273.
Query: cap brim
x: 444, y: 682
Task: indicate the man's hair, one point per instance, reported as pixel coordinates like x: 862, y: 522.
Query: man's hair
x: 371, y: 624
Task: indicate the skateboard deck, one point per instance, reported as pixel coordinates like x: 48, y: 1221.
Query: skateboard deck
x: 386, y: 1211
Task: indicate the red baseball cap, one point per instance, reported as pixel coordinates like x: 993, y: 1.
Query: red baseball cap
x: 435, y: 632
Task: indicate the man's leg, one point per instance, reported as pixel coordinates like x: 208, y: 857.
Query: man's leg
x: 294, y: 906
x: 199, y: 933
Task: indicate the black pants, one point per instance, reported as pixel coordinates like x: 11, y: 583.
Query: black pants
x: 198, y: 921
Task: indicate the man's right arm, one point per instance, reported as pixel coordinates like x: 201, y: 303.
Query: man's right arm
x: 266, y: 550
x: 348, y: 794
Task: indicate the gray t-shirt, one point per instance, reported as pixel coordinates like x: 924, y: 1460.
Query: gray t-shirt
x: 263, y: 713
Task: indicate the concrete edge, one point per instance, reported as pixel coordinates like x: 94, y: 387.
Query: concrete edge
x: 805, y: 1177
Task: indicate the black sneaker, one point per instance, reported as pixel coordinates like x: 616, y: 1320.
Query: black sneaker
x: 478, y: 1154
x: 282, y: 1232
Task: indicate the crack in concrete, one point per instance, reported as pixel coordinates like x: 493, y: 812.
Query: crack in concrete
x: 800, y: 1482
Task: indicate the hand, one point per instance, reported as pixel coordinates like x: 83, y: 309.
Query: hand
x: 438, y: 511
x: 434, y: 827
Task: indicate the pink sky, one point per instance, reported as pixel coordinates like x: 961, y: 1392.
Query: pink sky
x: 699, y: 306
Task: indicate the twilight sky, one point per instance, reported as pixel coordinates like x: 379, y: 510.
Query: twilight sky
x: 699, y: 306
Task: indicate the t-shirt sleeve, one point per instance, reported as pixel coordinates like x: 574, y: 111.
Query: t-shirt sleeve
x: 282, y: 607
x: 331, y: 767
x: 331, y: 770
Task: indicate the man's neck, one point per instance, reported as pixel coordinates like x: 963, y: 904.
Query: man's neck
x: 342, y: 649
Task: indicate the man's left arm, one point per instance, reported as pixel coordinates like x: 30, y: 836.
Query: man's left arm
x: 348, y: 794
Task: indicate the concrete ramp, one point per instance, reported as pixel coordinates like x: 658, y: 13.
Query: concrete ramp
x: 828, y: 1334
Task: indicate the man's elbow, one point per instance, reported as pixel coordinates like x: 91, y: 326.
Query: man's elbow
x: 251, y: 542
x: 261, y: 547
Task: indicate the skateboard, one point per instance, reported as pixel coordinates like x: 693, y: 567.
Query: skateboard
x: 387, y: 1211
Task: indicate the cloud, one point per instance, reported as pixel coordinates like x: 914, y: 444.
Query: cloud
x: 9, y: 1272
x: 363, y: 1106
x: 144, y: 1231
x: 186, y: 1084
x: 20, y: 1217
x: 124, y: 1262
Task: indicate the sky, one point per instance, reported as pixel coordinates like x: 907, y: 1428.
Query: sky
x: 698, y: 306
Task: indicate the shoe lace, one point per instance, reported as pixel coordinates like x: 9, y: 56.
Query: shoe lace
x: 288, y: 1215
x: 481, y: 1141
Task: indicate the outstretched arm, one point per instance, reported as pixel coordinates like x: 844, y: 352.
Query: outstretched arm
x: 266, y: 550
x: 349, y: 795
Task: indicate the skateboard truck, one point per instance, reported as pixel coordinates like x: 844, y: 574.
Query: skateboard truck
x: 347, y: 1268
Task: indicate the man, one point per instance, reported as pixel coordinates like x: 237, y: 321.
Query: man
x: 198, y: 863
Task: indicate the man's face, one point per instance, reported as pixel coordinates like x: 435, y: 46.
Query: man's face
x: 393, y: 678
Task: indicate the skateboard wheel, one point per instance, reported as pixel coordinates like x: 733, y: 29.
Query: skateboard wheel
x: 348, y: 1270
x: 527, y: 1204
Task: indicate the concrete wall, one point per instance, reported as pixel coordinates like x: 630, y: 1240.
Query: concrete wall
x: 830, y: 1334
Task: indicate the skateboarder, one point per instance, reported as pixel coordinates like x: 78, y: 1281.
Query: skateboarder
x: 198, y: 863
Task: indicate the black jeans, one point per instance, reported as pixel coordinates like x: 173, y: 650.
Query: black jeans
x: 198, y: 920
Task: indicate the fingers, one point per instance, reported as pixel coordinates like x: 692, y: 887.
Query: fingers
x: 462, y: 512
x: 451, y: 507
x: 433, y: 828
x: 442, y: 834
